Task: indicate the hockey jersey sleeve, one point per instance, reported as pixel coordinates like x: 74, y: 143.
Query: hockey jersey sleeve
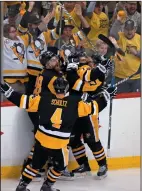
x: 78, y: 83
x: 92, y: 106
x: 87, y: 74
x: 30, y: 103
x: 50, y: 36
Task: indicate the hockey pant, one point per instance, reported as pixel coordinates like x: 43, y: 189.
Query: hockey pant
x: 40, y: 156
x: 89, y: 128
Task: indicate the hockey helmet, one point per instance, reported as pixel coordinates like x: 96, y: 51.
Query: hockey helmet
x: 61, y: 85
x: 45, y: 57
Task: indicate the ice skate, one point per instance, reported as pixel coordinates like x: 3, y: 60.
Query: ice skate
x: 37, y: 178
x: 82, y: 171
x: 48, y: 187
x: 22, y: 187
x: 102, y: 173
x: 66, y: 175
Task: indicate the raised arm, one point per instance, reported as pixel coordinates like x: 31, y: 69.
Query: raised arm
x: 30, y: 103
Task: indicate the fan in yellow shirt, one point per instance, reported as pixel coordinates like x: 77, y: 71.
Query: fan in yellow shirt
x: 71, y: 7
x: 129, y: 42
x: 99, y: 23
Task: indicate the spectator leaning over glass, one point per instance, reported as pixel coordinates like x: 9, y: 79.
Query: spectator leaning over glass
x: 129, y: 42
x: 130, y: 10
x: 14, y: 69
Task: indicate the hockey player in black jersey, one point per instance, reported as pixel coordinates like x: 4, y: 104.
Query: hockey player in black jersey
x: 44, y: 83
x: 55, y: 126
x: 82, y: 78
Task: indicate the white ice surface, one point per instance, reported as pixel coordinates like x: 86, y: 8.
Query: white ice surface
x: 120, y: 180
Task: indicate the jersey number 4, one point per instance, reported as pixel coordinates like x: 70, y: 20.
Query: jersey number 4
x: 56, y: 118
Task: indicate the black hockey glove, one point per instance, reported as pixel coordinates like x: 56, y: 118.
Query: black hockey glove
x: 107, y: 63
x: 73, y: 62
x: 6, y: 89
x: 109, y: 92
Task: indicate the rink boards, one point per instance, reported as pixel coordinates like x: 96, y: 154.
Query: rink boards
x: 17, y: 138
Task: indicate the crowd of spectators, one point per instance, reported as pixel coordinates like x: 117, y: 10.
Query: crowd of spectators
x: 40, y: 22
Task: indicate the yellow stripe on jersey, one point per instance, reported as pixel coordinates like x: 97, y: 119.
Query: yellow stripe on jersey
x: 91, y: 86
x: 82, y: 70
x: 50, y: 142
x: 84, y: 109
x: 77, y: 85
x: 30, y: 103
x: 23, y: 102
x: 50, y: 85
x: 33, y: 103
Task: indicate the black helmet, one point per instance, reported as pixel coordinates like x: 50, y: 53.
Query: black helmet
x: 45, y: 57
x: 61, y: 85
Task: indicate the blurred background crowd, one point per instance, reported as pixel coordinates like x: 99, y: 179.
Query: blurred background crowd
x: 32, y: 27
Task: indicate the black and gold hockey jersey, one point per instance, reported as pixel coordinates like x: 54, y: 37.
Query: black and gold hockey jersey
x: 57, y: 116
x: 44, y: 82
x: 85, y: 79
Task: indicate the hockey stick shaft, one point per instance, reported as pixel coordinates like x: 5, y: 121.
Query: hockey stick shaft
x: 126, y: 79
x: 59, y: 42
x: 110, y: 111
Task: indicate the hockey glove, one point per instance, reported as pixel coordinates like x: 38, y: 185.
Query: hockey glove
x: 73, y: 62
x: 6, y: 89
x: 107, y: 63
x: 109, y: 93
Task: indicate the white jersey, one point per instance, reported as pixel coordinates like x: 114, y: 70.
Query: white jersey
x: 14, y: 60
x: 36, y: 48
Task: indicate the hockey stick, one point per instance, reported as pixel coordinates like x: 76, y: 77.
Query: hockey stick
x: 111, y: 45
x: 61, y: 15
x: 110, y: 110
x: 129, y: 77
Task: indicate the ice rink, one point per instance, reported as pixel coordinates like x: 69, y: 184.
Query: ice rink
x: 120, y: 180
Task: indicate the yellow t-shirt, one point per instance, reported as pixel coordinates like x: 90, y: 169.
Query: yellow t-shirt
x: 74, y: 16
x: 130, y: 63
x: 99, y: 25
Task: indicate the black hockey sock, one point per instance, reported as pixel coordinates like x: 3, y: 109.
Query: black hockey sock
x: 79, y: 153
x: 28, y: 174
x: 99, y: 154
x: 52, y: 175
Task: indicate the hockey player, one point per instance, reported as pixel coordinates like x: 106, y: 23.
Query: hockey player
x: 55, y: 126
x: 44, y: 83
x: 89, y: 80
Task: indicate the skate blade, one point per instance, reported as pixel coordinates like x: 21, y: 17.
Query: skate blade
x: 83, y: 174
x: 100, y: 177
x: 36, y: 179
x: 64, y: 178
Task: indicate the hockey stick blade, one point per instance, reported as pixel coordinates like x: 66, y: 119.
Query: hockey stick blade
x: 106, y: 40
x: 110, y: 44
